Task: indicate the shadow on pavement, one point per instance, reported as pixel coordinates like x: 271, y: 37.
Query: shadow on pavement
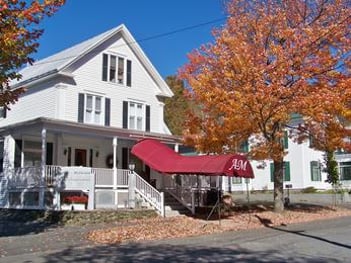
x: 267, y: 223
x: 173, y: 253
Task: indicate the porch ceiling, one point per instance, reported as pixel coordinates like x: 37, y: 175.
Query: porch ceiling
x: 59, y: 126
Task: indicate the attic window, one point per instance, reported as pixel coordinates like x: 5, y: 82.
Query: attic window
x: 116, y: 70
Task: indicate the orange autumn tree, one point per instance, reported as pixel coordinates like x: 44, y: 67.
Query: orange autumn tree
x: 18, y: 39
x: 270, y: 61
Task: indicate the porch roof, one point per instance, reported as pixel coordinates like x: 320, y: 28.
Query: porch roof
x: 60, y: 126
x: 164, y: 160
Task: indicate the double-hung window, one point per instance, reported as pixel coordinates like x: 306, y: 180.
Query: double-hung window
x: 93, y: 109
x: 286, y: 171
x: 136, y: 116
x: 315, y: 171
x: 345, y: 171
x: 116, y: 69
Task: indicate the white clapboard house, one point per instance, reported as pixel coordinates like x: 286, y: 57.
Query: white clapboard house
x: 71, y: 132
x: 84, y: 108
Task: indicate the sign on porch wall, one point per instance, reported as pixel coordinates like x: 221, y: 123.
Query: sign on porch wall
x: 75, y: 178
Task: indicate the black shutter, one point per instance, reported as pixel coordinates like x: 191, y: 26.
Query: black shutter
x: 125, y: 114
x: 104, y: 67
x: 18, y: 154
x: 129, y: 73
x: 69, y: 159
x: 3, y: 112
x: 1, y: 155
x: 49, y: 153
x: 107, y: 111
x: 81, y: 107
x: 125, y: 158
x: 147, y: 120
x: 91, y: 152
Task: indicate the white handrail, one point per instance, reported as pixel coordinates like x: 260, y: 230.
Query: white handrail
x: 154, y: 197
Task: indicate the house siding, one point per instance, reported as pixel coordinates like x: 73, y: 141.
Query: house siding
x: 88, y: 79
x: 37, y: 101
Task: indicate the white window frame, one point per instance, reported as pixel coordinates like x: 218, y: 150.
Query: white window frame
x: 30, y: 151
x: 236, y: 180
x: 115, y: 79
x: 93, y: 110
x: 134, y: 115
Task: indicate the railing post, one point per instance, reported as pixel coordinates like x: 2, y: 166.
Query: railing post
x: 115, y: 172
x: 193, y: 202
x: 131, y: 189
x: 43, y: 172
x: 162, y: 204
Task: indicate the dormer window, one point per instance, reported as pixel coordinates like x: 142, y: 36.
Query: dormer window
x: 116, y: 69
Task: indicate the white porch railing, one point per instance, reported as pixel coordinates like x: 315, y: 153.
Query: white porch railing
x: 154, y: 197
x: 32, y: 177
x: 105, y: 177
x: 24, y: 177
x: 51, y: 173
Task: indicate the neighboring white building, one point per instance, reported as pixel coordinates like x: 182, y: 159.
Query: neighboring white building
x: 83, y: 106
x: 303, y: 168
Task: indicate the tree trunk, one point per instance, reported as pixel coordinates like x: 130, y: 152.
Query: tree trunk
x: 278, y: 186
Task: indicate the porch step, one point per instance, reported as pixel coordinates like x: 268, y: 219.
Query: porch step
x: 173, y: 207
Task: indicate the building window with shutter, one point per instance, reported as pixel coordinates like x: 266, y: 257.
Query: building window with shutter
x: 315, y: 171
x: 116, y: 69
x: 286, y: 171
x: 237, y: 180
x: 244, y: 147
x: 345, y: 171
x: 93, y: 109
x: 136, y: 116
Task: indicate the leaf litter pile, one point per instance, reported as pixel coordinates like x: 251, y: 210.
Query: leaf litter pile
x: 184, y: 226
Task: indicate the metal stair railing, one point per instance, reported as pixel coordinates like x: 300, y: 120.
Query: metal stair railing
x: 150, y: 194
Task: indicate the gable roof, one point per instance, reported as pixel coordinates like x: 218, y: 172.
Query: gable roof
x: 57, y: 63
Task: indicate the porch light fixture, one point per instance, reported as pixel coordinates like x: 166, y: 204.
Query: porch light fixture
x: 65, y: 151
x: 97, y: 154
x: 131, y: 166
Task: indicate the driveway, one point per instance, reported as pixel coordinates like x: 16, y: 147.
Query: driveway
x: 321, y: 241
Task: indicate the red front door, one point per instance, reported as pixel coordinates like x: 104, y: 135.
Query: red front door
x: 80, y: 157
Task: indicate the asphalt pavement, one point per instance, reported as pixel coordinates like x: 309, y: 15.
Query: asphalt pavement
x: 319, y: 241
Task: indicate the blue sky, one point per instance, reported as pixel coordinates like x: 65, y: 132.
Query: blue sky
x: 79, y: 20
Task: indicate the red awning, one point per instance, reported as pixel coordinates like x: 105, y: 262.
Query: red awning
x: 164, y: 160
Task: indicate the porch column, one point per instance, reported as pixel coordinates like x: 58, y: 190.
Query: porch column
x: 9, y: 154
x: 43, y: 164
x: 114, y: 144
x: 176, y: 147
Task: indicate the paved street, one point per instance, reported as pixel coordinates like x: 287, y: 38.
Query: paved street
x: 322, y: 241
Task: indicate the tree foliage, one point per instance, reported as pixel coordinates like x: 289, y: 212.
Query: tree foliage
x: 272, y: 60
x: 18, y: 39
x: 177, y: 107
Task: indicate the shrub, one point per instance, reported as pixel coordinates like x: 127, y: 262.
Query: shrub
x: 309, y: 190
x: 76, y: 199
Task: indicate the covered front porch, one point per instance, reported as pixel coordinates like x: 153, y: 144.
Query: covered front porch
x: 46, y: 160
